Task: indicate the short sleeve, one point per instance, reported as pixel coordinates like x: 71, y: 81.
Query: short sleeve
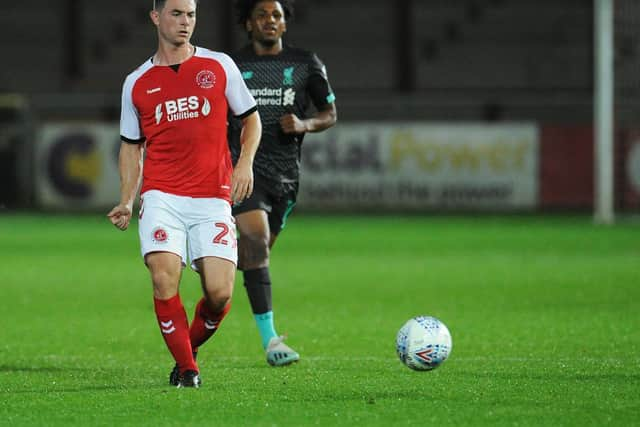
x: 318, y: 87
x: 240, y: 100
x: 129, y: 117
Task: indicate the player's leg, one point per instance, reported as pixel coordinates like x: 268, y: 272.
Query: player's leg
x: 208, y: 316
x: 253, y: 260
x: 163, y: 245
x: 213, y: 247
x: 166, y: 269
x: 256, y: 239
x: 278, y: 353
x: 217, y: 277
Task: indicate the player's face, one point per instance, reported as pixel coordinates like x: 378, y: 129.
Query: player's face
x: 267, y: 22
x: 176, y: 21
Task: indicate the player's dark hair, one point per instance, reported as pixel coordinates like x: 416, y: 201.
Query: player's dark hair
x: 159, y: 4
x: 245, y: 7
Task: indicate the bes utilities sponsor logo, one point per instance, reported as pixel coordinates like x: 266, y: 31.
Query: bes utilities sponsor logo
x: 186, y: 108
x: 269, y: 96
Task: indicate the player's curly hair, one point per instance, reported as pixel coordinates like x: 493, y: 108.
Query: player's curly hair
x: 245, y: 7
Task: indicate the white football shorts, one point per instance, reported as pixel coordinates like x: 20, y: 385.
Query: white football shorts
x: 191, y: 228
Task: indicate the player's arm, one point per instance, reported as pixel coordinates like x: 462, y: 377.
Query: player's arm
x: 242, y: 178
x: 244, y: 107
x: 321, y: 94
x: 320, y: 121
x: 130, y: 158
x: 130, y: 166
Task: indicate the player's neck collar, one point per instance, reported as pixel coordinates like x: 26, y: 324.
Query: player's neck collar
x: 191, y: 51
x: 262, y: 51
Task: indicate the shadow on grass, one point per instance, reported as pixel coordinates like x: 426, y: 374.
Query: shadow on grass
x: 37, y: 369
x: 30, y: 374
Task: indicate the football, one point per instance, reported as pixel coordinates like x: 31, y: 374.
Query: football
x: 423, y: 343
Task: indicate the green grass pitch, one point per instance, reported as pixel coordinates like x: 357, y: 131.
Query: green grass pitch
x: 544, y: 314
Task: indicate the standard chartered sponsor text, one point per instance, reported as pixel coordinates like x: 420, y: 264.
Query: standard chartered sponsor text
x: 267, y: 96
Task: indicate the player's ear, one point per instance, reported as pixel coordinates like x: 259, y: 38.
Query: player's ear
x: 155, y: 17
x: 248, y: 26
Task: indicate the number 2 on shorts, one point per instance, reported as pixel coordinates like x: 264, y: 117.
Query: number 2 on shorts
x: 220, y: 237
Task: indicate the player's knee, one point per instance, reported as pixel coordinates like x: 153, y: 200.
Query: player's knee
x: 219, y: 298
x: 218, y: 288
x: 253, y: 251
x: 165, y: 284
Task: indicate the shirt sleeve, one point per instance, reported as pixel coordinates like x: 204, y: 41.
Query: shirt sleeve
x: 129, y: 118
x: 240, y: 100
x: 318, y: 87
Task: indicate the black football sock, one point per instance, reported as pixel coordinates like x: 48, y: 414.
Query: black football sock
x: 258, y: 285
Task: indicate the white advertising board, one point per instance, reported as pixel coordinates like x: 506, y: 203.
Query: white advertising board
x: 361, y: 166
x: 421, y: 166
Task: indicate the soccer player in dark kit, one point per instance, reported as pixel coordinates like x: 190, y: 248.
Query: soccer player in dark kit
x: 286, y: 82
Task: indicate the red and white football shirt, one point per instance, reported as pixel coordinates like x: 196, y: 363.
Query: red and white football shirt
x: 181, y: 115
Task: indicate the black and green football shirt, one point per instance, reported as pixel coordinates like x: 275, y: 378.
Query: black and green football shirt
x: 294, y: 81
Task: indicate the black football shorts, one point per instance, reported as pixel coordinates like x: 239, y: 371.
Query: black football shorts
x: 278, y: 208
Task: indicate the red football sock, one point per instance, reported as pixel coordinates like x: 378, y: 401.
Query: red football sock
x: 174, y: 326
x: 205, y: 323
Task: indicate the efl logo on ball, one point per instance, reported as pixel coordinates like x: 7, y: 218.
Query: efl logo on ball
x: 423, y: 343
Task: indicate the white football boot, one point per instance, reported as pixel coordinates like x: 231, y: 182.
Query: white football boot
x: 280, y: 354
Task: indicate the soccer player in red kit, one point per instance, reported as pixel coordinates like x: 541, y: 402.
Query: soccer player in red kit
x: 174, y: 116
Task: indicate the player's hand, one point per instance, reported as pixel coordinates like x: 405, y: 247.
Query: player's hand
x: 290, y: 123
x: 242, y: 180
x: 120, y: 216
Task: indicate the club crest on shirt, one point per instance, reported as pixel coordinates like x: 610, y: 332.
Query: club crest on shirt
x: 206, y: 79
x: 288, y: 76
